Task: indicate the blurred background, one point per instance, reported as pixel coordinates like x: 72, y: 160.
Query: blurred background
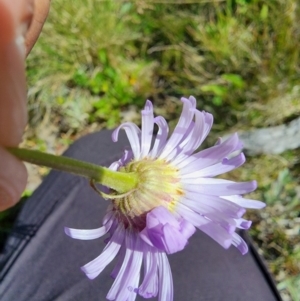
x: 97, y: 62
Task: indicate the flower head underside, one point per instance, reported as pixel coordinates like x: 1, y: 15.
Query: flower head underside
x: 176, y: 193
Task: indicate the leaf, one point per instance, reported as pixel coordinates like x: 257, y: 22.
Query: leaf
x: 234, y: 79
x: 264, y: 12
x: 215, y: 89
x: 217, y: 101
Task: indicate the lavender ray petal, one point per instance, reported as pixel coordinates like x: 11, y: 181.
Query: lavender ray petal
x: 109, y: 216
x: 180, y: 129
x: 133, y: 133
x: 186, y: 146
x: 246, y: 203
x: 147, y: 128
x: 96, y: 266
x: 187, y: 229
x: 214, y: 170
x: 127, y: 156
x: 223, y: 219
x: 119, y: 263
x: 182, y: 145
x: 165, y: 279
x: 165, y: 232
x: 137, y: 262
x: 209, y: 119
x: 242, y: 223
x: 203, y: 123
x: 190, y: 215
x: 126, y: 282
x: 215, y: 231
x: 222, y: 189
x: 205, y: 181
x: 227, y: 223
x: 115, y: 165
x: 145, y: 237
x: 239, y: 243
x: 161, y: 215
x: 149, y: 286
x: 161, y: 137
x: 210, y: 155
x: 193, y: 101
x: 88, y: 234
x: 116, y: 286
x: 207, y: 204
x: 188, y: 134
x: 173, y: 240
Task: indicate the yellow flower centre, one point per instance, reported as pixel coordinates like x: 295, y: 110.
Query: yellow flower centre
x: 158, y: 185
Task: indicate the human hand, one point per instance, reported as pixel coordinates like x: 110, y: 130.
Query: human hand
x: 21, y: 22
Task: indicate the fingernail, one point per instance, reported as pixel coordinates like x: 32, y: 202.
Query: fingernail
x: 23, y: 25
x: 20, y: 42
x: 20, y: 35
x: 26, y: 15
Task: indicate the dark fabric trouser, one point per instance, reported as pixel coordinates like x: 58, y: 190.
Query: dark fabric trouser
x: 40, y: 263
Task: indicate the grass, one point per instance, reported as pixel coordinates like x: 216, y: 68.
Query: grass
x: 239, y: 58
x: 276, y: 231
x: 97, y: 61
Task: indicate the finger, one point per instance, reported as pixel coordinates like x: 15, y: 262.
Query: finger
x: 41, y: 11
x: 13, y: 178
x: 14, y: 18
x: 13, y: 115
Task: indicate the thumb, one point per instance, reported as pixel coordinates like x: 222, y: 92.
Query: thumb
x: 15, y: 17
x: 13, y: 178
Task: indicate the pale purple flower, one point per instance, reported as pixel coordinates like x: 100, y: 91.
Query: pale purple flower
x: 176, y: 194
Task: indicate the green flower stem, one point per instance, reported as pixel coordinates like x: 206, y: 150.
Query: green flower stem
x: 119, y: 181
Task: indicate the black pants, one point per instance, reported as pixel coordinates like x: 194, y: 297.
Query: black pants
x: 40, y: 263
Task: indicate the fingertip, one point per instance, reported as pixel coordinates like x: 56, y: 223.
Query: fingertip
x: 41, y: 10
x: 13, y: 111
x: 7, y: 198
x: 7, y: 28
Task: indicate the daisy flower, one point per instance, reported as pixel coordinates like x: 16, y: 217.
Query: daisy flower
x: 176, y: 193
